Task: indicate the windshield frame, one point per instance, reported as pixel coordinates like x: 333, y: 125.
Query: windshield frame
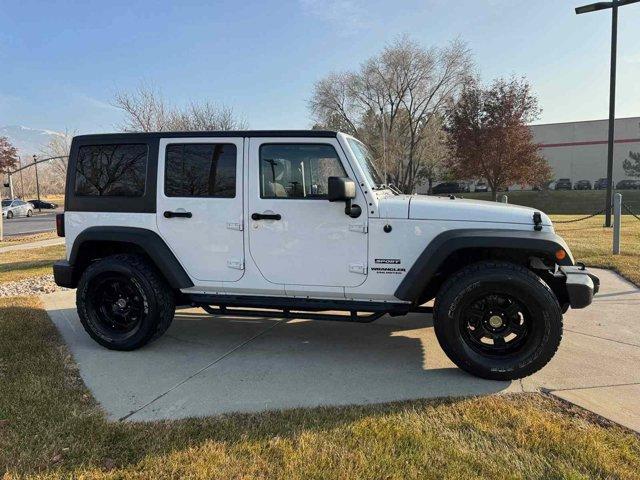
x: 363, y: 157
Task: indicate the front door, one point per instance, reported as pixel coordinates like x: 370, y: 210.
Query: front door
x: 199, y: 205
x: 296, y: 236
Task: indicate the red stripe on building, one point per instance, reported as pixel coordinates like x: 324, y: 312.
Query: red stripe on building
x: 593, y: 142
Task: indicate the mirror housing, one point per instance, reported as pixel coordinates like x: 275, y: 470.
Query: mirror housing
x: 343, y: 189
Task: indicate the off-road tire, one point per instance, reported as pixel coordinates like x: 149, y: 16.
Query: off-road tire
x: 158, y: 296
x: 517, y: 282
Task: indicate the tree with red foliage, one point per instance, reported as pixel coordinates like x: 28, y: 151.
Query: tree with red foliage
x: 8, y: 156
x: 489, y: 137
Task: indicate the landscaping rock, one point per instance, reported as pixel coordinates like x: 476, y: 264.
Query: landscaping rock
x: 30, y: 286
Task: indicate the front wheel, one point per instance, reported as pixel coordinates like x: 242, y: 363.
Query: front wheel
x: 498, y: 320
x: 29, y: 213
x: 9, y: 214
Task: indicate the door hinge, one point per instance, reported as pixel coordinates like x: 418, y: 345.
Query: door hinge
x: 234, y: 226
x: 358, y: 228
x: 358, y: 268
x: 236, y: 264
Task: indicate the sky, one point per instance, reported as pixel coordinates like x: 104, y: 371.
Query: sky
x: 62, y: 62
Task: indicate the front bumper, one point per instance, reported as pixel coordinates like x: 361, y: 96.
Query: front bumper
x: 63, y: 274
x: 581, y: 285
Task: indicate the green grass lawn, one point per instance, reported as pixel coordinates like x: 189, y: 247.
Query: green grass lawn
x: 50, y: 426
x: 591, y: 243
x: 21, y: 264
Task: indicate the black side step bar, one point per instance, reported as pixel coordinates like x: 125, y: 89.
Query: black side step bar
x: 286, y: 313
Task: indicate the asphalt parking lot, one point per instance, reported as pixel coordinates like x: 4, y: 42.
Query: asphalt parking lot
x: 208, y: 365
x: 39, y: 222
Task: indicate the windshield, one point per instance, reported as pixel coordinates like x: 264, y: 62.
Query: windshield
x: 365, y: 160
x: 6, y: 203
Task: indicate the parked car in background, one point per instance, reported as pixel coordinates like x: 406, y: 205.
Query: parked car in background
x: 628, y: 185
x: 600, y: 184
x: 16, y: 208
x: 582, y: 185
x: 43, y: 204
x: 563, y: 184
x: 481, y: 186
x: 450, y: 187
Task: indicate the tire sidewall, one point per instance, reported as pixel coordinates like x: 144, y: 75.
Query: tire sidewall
x: 541, y: 343
x: 87, y: 314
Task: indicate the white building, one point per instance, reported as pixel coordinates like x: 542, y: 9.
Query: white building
x: 578, y: 150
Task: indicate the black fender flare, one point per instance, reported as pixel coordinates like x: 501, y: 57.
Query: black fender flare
x: 446, y: 243
x: 149, y: 241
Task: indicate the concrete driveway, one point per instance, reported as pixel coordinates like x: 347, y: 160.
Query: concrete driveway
x: 207, y: 366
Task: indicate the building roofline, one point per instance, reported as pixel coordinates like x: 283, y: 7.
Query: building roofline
x: 583, y: 121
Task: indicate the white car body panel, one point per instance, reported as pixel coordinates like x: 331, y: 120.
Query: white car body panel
x: 210, y: 244
x: 315, y: 243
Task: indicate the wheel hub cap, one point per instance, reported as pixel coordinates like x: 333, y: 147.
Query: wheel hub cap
x: 121, y: 303
x: 495, y: 321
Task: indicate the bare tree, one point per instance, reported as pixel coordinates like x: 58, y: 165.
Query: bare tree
x: 390, y: 102
x: 58, y: 146
x: 146, y: 110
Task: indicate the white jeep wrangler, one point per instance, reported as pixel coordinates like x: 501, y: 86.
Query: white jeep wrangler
x: 285, y: 223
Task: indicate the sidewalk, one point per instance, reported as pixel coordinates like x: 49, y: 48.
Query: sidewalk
x: 39, y: 244
x: 212, y: 365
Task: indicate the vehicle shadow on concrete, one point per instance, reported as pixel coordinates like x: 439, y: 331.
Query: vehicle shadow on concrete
x: 206, y: 365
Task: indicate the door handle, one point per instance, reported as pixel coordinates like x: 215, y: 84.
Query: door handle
x: 169, y: 214
x: 266, y: 216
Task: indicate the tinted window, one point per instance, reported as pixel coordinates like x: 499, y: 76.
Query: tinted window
x: 111, y: 170
x: 200, y: 170
x: 297, y: 170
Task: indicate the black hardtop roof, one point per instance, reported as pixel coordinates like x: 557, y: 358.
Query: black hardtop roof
x: 139, y: 136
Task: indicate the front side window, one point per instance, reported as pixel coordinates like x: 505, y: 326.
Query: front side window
x: 298, y: 170
x: 111, y: 170
x: 200, y: 170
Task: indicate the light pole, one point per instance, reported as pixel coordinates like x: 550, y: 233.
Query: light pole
x: 35, y: 164
x: 594, y: 7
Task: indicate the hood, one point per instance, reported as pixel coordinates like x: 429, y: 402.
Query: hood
x: 423, y: 207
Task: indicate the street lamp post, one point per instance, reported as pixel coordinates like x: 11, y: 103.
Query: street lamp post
x: 594, y: 7
x: 35, y: 164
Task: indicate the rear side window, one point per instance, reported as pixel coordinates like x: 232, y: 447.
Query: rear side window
x: 200, y: 170
x: 116, y: 170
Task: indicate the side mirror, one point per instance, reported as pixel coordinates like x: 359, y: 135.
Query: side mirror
x: 343, y: 189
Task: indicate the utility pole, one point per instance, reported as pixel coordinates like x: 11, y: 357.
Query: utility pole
x: 35, y: 164
x: 21, y: 178
x: 594, y: 7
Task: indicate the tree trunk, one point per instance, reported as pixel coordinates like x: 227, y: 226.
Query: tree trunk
x: 494, y: 194
x: 429, y: 191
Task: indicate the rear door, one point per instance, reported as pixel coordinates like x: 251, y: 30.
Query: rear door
x: 199, y: 205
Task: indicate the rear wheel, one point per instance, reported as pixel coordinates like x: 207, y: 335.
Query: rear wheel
x: 9, y: 214
x: 498, y: 320
x: 29, y: 213
x: 123, y: 302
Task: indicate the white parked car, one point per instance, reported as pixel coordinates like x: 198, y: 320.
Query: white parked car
x: 298, y: 223
x: 16, y: 208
